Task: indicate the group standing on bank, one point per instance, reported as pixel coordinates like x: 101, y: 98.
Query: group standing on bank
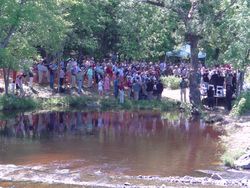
x: 135, y: 79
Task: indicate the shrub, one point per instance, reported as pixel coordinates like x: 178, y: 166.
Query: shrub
x: 109, y: 103
x: 229, y: 157
x: 171, y: 82
x: 80, y: 102
x: 11, y: 102
x: 242, y: 104
x: 55, y: 102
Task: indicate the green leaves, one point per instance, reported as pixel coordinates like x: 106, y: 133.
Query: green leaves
x: 132, y: 28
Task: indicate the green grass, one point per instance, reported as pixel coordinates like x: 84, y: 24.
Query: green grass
x: 171, y: 82
x: 242, y: 104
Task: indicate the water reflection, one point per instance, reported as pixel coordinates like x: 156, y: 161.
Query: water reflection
x: 102, y: 123
x: 131, y: 143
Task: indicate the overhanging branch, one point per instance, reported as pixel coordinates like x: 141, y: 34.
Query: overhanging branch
x: 4, y: 43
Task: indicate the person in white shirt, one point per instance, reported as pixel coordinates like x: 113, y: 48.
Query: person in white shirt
x: 100, y: 87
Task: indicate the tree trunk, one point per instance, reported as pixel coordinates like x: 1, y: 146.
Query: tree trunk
x: 6, y: 74
x: 240, y: 82
x: 195, y: 96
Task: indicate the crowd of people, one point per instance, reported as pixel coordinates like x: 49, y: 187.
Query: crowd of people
x: 138, y: 79
x: 141, y: 80
x: 216, y: 82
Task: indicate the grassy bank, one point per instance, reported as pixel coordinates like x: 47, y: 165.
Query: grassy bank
x: 8, y: 103
x: 109, y: 103
x: 229, y: 157
x: 12, y: 102
x: 242, y: 104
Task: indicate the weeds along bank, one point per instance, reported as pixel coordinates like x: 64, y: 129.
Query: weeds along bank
x: 11, y: 102
x: 242, y: 104
x: 237, y: 139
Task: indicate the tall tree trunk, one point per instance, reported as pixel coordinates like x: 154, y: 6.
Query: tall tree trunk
x: 240, y: 82
x: 6, y: 74
x: 195, y: 96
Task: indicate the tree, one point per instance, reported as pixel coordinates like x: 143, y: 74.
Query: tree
x: 145, y: 31
x: 228, y: 41
x: 25, y: 25
x: 195, y: 17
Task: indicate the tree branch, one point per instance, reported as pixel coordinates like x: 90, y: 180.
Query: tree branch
x: 6, y: 40
x: 12, y: 29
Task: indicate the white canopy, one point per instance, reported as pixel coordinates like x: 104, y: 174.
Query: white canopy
x: 185, y: 52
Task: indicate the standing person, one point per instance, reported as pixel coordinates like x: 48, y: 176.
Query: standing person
x: 205, y: 78
x: 229, y: 79
x: 183, y: 88
x: 90, y: 76
x: 121, y: 91
x: 19, y: 84
x: 79, y: 79
x: 136, y: 89
x: 52, y: 69
x: 40, y: 72
x: 116, y: 83
x: 106, y: 83
x: 214, y: 79
x: 61, y: 79
x: 159, y: 89
x: 150, y: 87
x: 73, y: 71
x: 100, y: 87
x: 210, y: 97
x: 31, y: 76
x: 229, y: 95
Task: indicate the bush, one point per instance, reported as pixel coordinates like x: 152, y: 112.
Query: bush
x: 171, y: 82
x: 74, y: 102
x: 242, y: 104
x: 11, y: 102
x: 109, y: 103
x: 55, y: 102
x: 229, y: 157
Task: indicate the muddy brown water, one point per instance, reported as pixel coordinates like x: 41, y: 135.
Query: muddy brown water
x: 75, y: 147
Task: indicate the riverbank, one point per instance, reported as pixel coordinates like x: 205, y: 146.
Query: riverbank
x: 43, y: 98
x: 236, y: 129
x: 235, y: 140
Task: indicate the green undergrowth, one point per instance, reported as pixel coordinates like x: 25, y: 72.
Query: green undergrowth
x: 163, y: 105
x: 12, y: 102
x: 229, y: 157
x: 84, y: 102
x: 74, y: 102
x: 242, y: 104
x: 171, y: 82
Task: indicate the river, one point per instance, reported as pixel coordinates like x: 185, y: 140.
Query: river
x: 89, y: 148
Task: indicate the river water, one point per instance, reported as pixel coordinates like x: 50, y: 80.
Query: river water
x: 89, y: 148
